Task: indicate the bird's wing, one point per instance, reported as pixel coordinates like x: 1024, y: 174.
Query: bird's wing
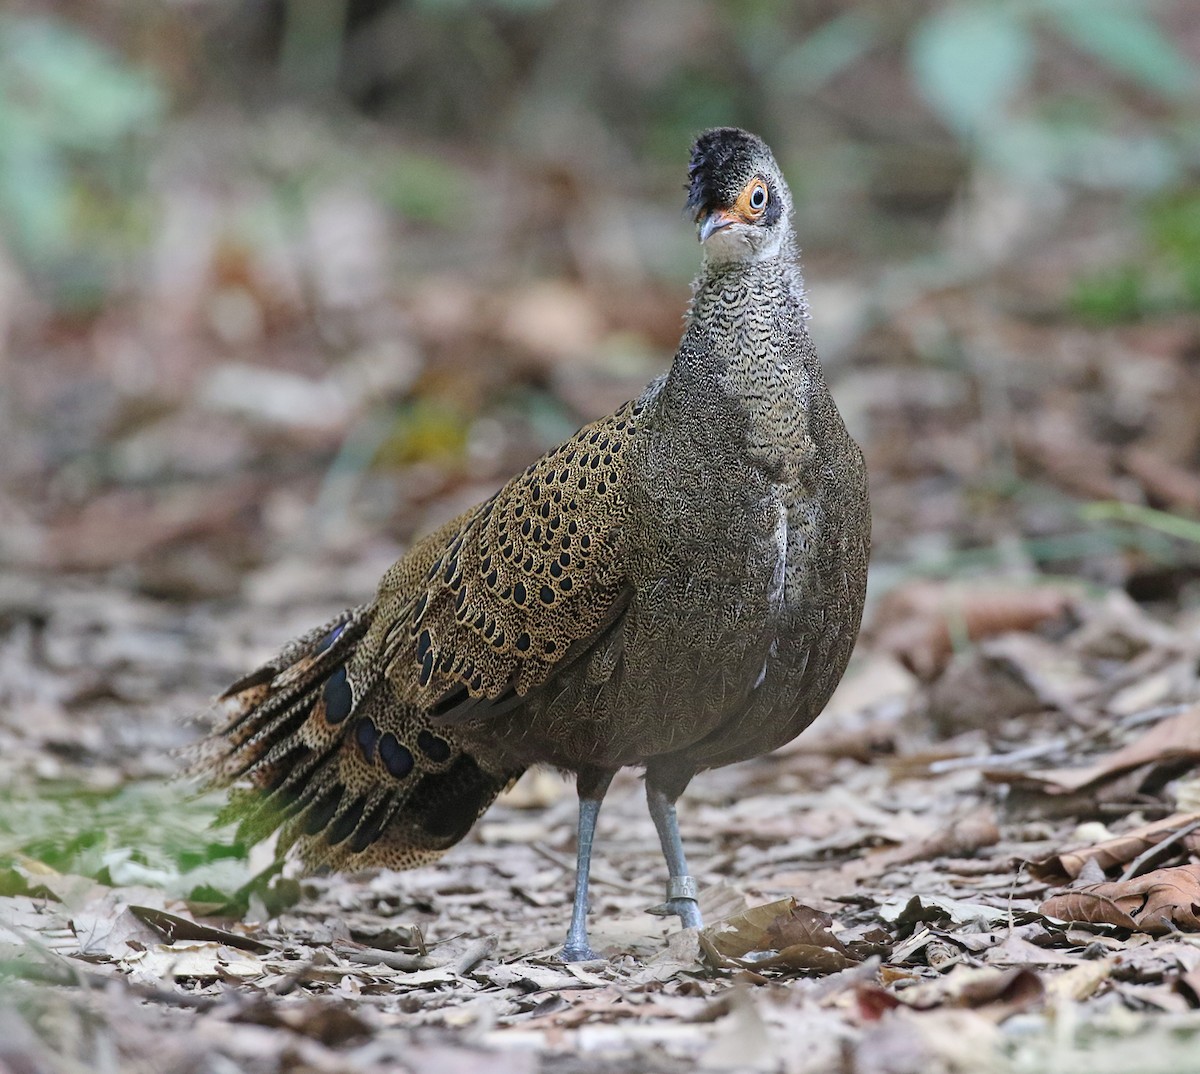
x: 483, y: 611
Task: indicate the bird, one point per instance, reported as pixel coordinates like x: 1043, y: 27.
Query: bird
x: 676, y: 587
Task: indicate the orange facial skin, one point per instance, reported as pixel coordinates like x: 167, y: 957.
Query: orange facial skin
x: 749, y: 208
x: 743, y: 209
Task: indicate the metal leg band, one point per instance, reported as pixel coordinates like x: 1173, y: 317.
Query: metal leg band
x: 681, y: 887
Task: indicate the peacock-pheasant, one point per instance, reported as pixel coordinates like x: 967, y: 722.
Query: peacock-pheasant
x: 676, y: 587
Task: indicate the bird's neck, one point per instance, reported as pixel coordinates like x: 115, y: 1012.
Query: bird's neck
x: 747, y: 360
x: 758, y: 292
x: 747, y: 321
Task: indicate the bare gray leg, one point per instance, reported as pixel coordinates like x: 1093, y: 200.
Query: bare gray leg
x: 681, y: 888
x: 591, y: 793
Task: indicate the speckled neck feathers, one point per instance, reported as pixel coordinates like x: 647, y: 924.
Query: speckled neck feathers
x: 746, y: 326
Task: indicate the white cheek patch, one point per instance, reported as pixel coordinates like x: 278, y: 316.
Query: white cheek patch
x: 731, y: 243
x: 743, y: 242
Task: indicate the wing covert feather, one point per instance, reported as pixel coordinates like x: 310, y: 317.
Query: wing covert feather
x: 486, y: 607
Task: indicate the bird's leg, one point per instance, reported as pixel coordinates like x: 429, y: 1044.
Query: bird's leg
x: 681, y: 888
x: 591, y: 785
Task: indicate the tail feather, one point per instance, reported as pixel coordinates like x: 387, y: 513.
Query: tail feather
x: 316, y: 744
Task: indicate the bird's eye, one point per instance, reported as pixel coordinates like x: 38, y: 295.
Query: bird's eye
x: 758, y: 196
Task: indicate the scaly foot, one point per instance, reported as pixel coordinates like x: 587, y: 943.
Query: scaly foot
x: 577, y: 952
x: 688, y: 912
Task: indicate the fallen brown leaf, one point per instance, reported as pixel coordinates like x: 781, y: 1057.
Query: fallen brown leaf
x: 1176, y: 738
x: 1068, y: 864
x: 1059, y: 445
x: 965, y: 836
x: 124, y: 526
x: 874, y: 1002
x: 1005, y: 991
x: 784, y: 934
x: 194, y: 959
x: 175, y: 928
x: 1157, y: 903
x: 1176, y: 486
x: 975, y: 691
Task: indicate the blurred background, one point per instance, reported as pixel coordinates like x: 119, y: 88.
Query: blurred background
x: 284, y: 283
x: 287, y: 281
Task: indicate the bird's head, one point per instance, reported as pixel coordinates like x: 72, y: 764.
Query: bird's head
x: 737, y: 196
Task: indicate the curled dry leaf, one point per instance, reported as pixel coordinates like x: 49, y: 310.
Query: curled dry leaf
x: 1009, y: 676
x: 874, y: 1002
x: 1157, y: 903
x: 803, y: 958
x: 908, y: 913
x: 919, y: 623
x: 1117, y: 628
x: 785, y: 935
x: 976, y: 691
x: 1068, y: 864
x: 1057, y: 443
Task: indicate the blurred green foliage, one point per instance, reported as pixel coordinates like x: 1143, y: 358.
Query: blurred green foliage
x: 425, y: 430
x: 141, y: 833
x: 971, y: 61
x: 1174, y: 226
x: 1087, y: 93
x: 977, y: 63
x: 1133, y: 514
x: 1163, y: 278
x: 425, y: 188
x: 1112, y: 296
x: 71, y: 113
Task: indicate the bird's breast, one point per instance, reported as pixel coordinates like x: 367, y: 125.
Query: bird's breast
x: 707, y: 608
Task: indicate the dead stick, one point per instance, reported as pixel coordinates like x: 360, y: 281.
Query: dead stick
x: 397, y: 960
x: 475, y: 954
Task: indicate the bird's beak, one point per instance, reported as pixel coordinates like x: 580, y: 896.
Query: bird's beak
x: 714, y: 222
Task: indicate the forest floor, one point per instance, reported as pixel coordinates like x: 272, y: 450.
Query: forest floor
x: 995, y: 870
x: 985, y: 856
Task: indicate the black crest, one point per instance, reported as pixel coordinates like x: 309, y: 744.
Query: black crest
x: 723, y: 159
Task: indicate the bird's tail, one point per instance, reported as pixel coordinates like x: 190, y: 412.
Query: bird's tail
x: 316, y: 745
